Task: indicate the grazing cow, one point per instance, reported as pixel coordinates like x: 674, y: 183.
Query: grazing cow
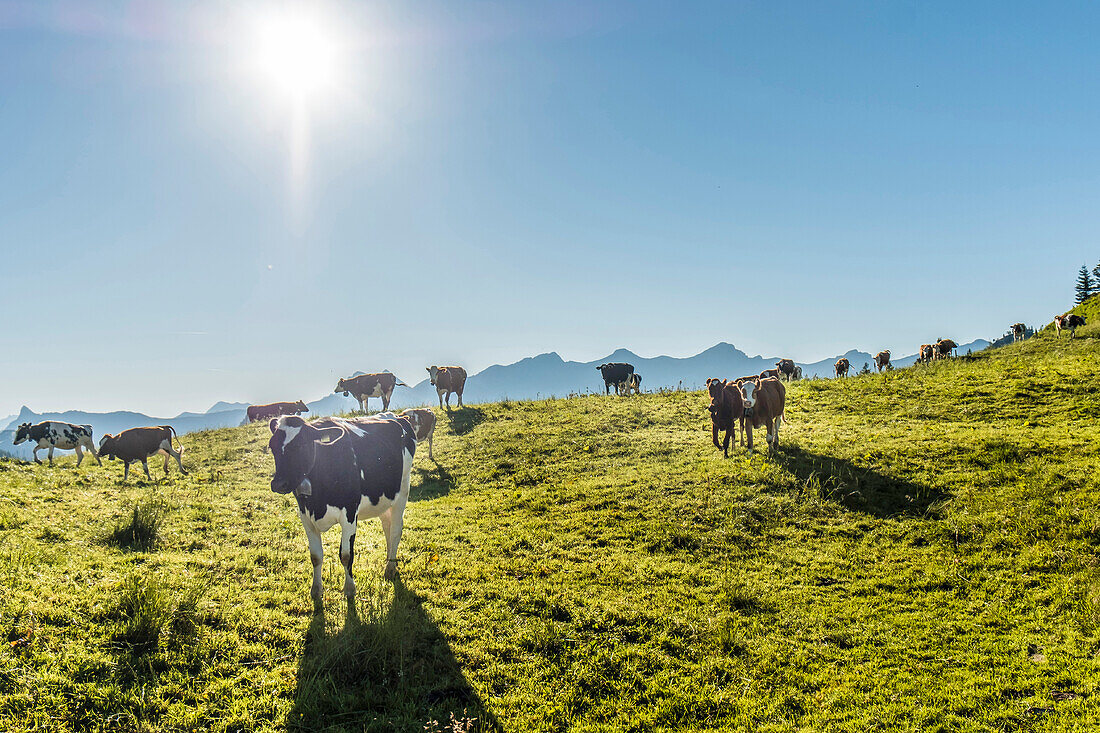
x: 842, y: 366
x: 140, y: 444
x: 614, y: 373
x: 633, y: 383
x: 766, y: 374
x: 926, y: 354
x: 763, y: 404
x: 882, y: 360
x: 725, y: 412
x: 361, y: 472
x: 52, y: 434
x: 1018, y: 332
x: 943, y: 348
x: 275, y: 409
x: 423, y: 424
x: 365, y: 386
x: 1070, y: 322
x: 446, y: 380
x: 786, y: 368
x: 797, y: 373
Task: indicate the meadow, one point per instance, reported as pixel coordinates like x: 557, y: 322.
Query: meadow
x: 923, y: 553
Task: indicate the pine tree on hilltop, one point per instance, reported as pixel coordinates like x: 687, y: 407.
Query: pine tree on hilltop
x: 1096, y: 278
x: 1085, y: 284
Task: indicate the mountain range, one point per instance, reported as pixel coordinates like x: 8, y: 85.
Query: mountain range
x: 534, y: 377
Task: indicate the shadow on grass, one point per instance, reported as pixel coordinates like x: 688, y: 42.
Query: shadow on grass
x: 393, y: 672
x: 858, y: 488
x: 434, y: 483
x: 465, y: 419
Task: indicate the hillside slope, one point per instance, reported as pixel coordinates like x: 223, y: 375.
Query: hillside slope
x: 922, y: 554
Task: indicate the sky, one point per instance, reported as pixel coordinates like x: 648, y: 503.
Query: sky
x: 476, y: 182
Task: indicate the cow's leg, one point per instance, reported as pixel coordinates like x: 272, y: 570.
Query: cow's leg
x: 316, y: 554
x: 50, y: 454
x: 393, y: 519
x: 447, y: 398
x: 459, y: 393
x: 79, y: 455
x: 347, y: 557
x: 145, y: 465
x: 170, y: 451
x: 35, y: 454
x: 431, y: 435
x: 386, y: 400
x: 726, y: 440
x: 714, y: 434
x: 95, y: 453
x: 125, y: 470
x: 440, y: 394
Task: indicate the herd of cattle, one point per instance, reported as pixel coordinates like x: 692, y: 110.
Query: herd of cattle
x: 341, y: 470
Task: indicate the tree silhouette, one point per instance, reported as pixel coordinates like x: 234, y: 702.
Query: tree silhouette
x: 1085, y: 284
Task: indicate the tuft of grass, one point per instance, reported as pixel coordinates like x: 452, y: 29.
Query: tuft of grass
x: 140, y: 529
x: 148, y: 611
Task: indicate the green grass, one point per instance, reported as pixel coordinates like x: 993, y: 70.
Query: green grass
x: 922, y: 554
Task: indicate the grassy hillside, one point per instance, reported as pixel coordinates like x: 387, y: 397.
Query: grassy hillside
x: 923, y: 554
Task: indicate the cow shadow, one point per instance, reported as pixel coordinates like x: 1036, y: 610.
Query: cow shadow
x: 859, y: 488
x: 465, y: 419
x: 435, y: 482
x: 393, y: 671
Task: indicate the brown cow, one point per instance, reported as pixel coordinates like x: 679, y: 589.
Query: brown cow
x: 725, y: 411
x: 275, y: 409
x: 1070, y: 322
x: 926, y: 353
x: 842, y: 366
x: 423, y: 423
x: 882, y: 360
x: 786, y: 368
x: 943, y: 348
x: 764, y: 402
x: 365, y: 386
x: 139, y: 444
x: 448, y: 379
x: 1019, y: 330
x: 766, y: 374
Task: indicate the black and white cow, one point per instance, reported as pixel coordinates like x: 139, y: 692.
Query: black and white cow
x: 341, y: 471
x: 614, y: 373
x: 61, y: 435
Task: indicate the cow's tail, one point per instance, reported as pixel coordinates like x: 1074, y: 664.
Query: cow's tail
x: 177, y: 437
x: 400, y: 384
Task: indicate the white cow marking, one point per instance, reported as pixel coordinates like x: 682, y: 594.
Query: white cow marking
x: 291, y: 433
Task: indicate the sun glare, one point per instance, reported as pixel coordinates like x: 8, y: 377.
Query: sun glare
x: 296, y: 53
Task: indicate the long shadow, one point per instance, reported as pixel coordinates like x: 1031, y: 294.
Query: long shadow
x: 434, y: 483
x: 465, y: 419
x: 859, y: 488
x: 395, y: 671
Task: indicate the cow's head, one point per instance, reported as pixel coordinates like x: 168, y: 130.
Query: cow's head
x: 433, y: 373
x: 748, y: 397
x: 23, y: 432
x: 294, y: 447
x: 341, y: 386
x: 107, y: 446
x: 301, y: 406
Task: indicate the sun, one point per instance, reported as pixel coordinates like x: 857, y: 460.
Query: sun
x: 296, y: 52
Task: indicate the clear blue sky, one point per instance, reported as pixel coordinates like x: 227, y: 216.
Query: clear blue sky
x: 493, y: 180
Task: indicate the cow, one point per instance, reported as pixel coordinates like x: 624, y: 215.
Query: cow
x: 362, y: 471
x: 614, y: 373
x: 926, y: 353
x: 423, y: 424
x: 140, y: 444
x: 763, y: 404
x: 725, y: 412
x: 1070, y: 322
x: 53, y: 434
x: 633, y: 383
x: 786, y: 368
x: 446, y: 380
x: 882, y: 360
x: 943, y: 348
x: 275, y: 409
x: 1019, y: 330
x: 766, y: 374
x: 842, y: 366
x: 797, y: 373
x: 365, y: 386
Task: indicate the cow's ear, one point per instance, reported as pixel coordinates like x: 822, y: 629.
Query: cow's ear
x: 272, y: 423
x: 724, y: 382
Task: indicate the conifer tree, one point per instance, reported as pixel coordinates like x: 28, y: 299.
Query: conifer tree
x: 1085, y: 284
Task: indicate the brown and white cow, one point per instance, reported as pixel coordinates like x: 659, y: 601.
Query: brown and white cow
x: 842, y: 366
x: 726, y: 410
x: 341, y: 471
x: 1070, y: 322
x: 882, y: 360
x: 423, y: 423
x: 944, y: 348
x: 447, y: 379
x: 1018, y: 332
x: 365, y: 386
x: 763, y: 403
x: 140, y: 444
x: 767, y: 374
x: 275, y: 409
x: 926, y: 353
x: 786, y: 368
